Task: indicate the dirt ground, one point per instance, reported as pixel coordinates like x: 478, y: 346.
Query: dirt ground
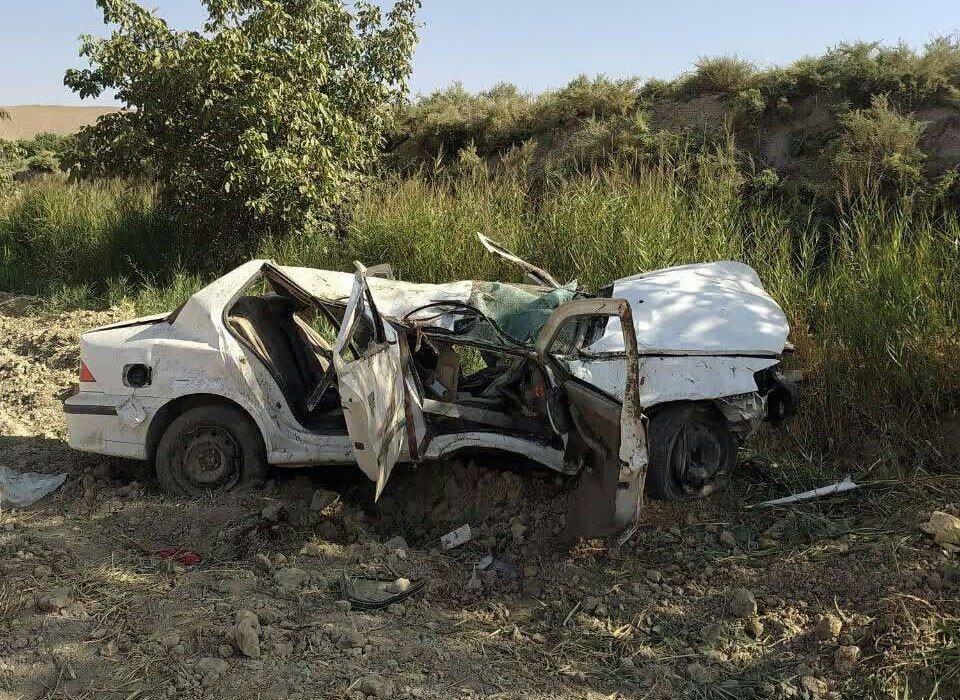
x: 841, y: 597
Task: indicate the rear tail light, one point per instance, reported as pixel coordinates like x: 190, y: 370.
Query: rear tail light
x: 85, y: 374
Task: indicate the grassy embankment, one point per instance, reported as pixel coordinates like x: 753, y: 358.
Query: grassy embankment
x: 873, y: 294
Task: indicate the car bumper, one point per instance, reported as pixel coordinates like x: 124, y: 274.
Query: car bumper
x: 94, y: 426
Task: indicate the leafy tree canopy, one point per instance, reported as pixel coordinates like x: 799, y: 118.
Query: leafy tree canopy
x: 258, y: 124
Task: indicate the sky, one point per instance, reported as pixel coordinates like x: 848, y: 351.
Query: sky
x: 536, y: 44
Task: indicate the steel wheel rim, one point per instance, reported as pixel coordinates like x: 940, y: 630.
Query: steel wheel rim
x: 208, y: 457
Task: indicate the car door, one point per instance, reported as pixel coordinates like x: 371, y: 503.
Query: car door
x: 379, y: 400
x: 608, y: 436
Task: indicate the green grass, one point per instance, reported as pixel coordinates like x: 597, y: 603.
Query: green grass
x: 873, y: 294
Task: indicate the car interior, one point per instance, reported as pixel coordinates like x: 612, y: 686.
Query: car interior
x: 463, y: 387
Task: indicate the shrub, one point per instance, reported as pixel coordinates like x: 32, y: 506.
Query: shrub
x: 877, y: 144
x: 720, y: 74
x: 261, y: 123
x: 585, y: 98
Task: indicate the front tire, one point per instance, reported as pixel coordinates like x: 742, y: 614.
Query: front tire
x: 692, y: 451
x: 210, y: 449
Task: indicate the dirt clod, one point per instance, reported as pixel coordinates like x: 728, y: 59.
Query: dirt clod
x: 827, y: 628
x: 742, y: 603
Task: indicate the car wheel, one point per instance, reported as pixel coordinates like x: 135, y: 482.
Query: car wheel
x: 692, y: 451
x: 210, y: 449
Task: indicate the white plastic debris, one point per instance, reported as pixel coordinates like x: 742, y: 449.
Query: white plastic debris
x: 455, y: 538
x: 839, y: 487
x: 21, y: 489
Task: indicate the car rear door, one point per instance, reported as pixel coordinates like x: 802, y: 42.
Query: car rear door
x: 379, y: 396
x: 607, y: 435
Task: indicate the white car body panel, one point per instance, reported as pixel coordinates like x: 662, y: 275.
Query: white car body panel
x: 706, y: 309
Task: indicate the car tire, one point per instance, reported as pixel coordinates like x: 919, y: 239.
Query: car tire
x: 210, y: 449
x: 692, y: 451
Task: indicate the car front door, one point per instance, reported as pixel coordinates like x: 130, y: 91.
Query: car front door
x: 608, y: 436
x: 379, y: 400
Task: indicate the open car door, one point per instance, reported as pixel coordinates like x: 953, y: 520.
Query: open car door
x: 534, y: 273
x: 382, y: 417
x: 608, y: 437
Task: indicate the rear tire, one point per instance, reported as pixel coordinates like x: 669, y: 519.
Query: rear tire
x: 210, y: 449
x: 692, y: 451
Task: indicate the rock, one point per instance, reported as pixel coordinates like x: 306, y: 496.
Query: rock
x: 376, y: 686
x: 225, y: 651
x: 944, y: 528
x: 728, y: 539
x: 342, y: 605
x: 754, y: 628
x: 57, y: 599
x: 211, y: 669
x: 274, y: 512
x: 396, y: 542
x: 263, y: 561
x: 247, y: 634
x: 322, y: 499
x: 742, y: 604
x: 517, y: 530
x: 290, y: 579
x: 654, y: 576
x: 846, y: 657
x: 828, y: 628
x: 396, y: 609
x: 767, y: 543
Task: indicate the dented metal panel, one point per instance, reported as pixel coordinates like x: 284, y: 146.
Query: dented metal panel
x: 705, y: 309
x: 681, y: 378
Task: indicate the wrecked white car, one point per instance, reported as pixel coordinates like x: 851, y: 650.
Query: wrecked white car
x: 647, y: 385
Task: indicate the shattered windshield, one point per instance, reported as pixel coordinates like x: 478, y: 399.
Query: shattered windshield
x: 495, y: 313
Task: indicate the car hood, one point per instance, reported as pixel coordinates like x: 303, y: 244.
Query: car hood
x: 704, y: 309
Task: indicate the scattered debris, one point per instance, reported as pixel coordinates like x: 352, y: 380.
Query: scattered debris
x: 839, y: 487
x: 457, y: 537
x: 376, y: 592
x: 181, y: 556
x: 502, y: 567
x: 22, y: 489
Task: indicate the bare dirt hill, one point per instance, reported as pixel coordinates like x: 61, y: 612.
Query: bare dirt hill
x: 26, y: 121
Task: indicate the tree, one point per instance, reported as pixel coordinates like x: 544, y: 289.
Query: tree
x: 260, y: 124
